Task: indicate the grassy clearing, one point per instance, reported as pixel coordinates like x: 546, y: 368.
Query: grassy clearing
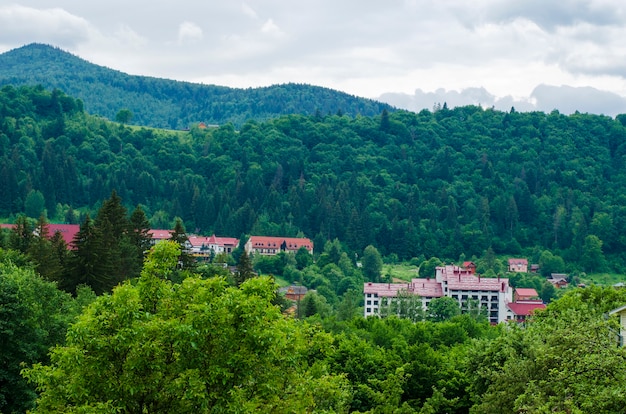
x: 603, y: 279
x: 402, y: 271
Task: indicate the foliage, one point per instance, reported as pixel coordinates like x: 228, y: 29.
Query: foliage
x: 372, y: 264
x: 34, y: 315
x: 167, y: 103
x: 565, y: 360
x: 428, y: 185
x: 197, y: 346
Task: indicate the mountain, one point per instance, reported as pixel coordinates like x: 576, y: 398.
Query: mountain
x: 167, y: 103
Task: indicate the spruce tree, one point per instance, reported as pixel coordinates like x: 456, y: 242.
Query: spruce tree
x: 179, y: 235
x: 244, y: 269
x: 89, y: 262
x: 21, y: 235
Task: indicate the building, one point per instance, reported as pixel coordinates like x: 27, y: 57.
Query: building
x: 518, y: 265
x: 526, y: 302
x: 294, y: 292
x: 469, y: 289
x: 522, y: 294
x: 520, y: 311
x: 202, y: 246
x: 558, y: 280
x: 270, y: 246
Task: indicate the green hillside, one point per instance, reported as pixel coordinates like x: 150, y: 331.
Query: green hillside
x: 166, y: 103
x: 438, y: 184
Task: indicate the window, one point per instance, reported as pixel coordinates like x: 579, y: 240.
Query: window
x: 369, y: 302
x: 368, y: 310
x: 375, y: 302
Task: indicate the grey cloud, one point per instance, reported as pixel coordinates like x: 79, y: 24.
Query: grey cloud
x: 25, y: 24
x: 552, y: 14
x: 566, y: 99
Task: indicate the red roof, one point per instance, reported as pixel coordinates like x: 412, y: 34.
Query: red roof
x: 463, y: 279
x: 526, y: 292
x: 518, y: 262
x: 525, y: 308
x: 428, y: 288
x: 292, y: 243
x: 160, y: 234
x: 68, y: 231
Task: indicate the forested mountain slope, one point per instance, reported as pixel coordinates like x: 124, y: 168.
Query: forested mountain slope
x: 439, y: 184
x: 166, y: 103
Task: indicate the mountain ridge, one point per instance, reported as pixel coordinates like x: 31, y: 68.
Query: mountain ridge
x: 167, y: 103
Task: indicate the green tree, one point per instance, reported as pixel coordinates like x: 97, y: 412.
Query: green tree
x: 124, y: 116
x: 179, y: 235
x: 244, y: 269
x: 88, y: 262
x: 34, y: 204
x: 593, y: 259
x: 21, y: 236
x: 441, y: 309
x: 198, y: 346
x: 550, y: 263
x: 565, y: 362
x: 34, y: 315
x: 372, y: 264
x: 428, y: 268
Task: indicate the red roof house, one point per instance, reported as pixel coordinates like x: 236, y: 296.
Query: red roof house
x: 518, y: 265
x: 270, y: 246
x: 522, y: 294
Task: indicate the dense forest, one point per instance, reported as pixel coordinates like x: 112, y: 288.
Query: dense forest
x: 113, y: 325
x: 206, y: 344
x: 445, y: 183
x: 166, y: 103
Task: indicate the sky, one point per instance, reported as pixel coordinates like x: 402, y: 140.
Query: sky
x: 531, y: 54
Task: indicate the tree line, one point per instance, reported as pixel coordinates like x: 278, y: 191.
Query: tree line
x: 167, y: 103
x: 203, y: 344
x: 414, y: 185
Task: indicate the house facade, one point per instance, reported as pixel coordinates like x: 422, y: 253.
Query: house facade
x: 459, y: 283
x: 526, y: 302
x: 518, y: 265
x: 203, y: 247
x: 270, y: 246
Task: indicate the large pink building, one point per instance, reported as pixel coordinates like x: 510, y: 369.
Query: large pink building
x: 491, y: 294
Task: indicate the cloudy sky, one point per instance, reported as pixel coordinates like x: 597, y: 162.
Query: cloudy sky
x: 532, y: 54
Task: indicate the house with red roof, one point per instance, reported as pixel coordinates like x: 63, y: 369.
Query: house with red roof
x: 270, y: 246
x: 459, y: 283
x: 202, y: 246
x: 67, y: 231
x: 525, y: 294
x: 518, y: 265
x: 519, y: 311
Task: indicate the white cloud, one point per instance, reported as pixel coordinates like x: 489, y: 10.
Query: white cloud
x: 499, y: 51
x: 127, y: 36
x: 249, y: 11
x: 189, y: 32
x: 20, y: 24
x: 271, y: 28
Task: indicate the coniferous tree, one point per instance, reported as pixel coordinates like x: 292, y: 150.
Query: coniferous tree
x: 139, y: 238
x: 88, y: 262
x: 244, y: 269
x: 41, y: 251
x: 21, y: 235
x: 179, y: 235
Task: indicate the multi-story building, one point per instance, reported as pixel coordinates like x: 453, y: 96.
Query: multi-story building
x: 270, y: 246
x: 469, y: 289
